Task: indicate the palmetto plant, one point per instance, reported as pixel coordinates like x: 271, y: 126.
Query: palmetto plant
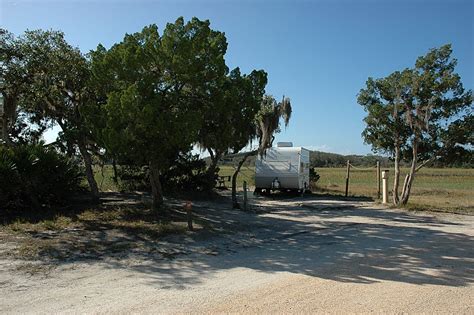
x: 33, y: 175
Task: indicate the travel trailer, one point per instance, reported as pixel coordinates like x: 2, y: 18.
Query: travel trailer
x: 284, y: 168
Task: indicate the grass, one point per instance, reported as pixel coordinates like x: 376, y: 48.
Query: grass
x: 437, y: 189
x: 104, y: 177
x: 246, y: 174
x: 92, y: 233
x: 447, y: 189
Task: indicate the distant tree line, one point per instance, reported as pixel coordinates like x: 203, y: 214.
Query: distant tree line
x: 327, y: 159
x: 324, y: 159
x: 321, y: 159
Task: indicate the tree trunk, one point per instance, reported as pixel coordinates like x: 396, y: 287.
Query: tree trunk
x: 9, y: 115
x: 396, y: 178
x: 235, y: 202
x: 214, y: 160
x: 114, y: 167
x: 156, y: 189
x: 89, y: 172
x: 409, y: 178
x: 5, y: 137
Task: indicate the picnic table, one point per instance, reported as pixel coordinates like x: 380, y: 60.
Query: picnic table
x: 222, y: 179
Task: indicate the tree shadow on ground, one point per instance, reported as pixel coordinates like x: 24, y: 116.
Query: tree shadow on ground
x: 337, y: 240
x: 284, y: 195
x: 349, y: 244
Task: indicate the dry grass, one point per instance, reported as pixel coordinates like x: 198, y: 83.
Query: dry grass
x: 446, y: 189
x: 60, y: 222
x: 91, y: 234
x: 34, y: 269
x: 246, y: 174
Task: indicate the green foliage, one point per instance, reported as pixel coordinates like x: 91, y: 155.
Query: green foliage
x: 15, y: 81
x: 45, y: 83
x: 134, y: 178
x: 313, y: 175
x: 187, y: 173
x: 382, y: 99
x: 34, y: 176
x: 425, y: 103
x: 268, y: 118
x: 461, y: 131
x: 229, y: 124
x: 419, y: 114
x: 160, y: 87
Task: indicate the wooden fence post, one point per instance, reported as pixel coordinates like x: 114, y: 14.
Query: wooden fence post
x: 347, y: 176
x: 189, y: 215
x: 378, y: 179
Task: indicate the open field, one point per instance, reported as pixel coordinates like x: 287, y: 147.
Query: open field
x: 448, y: 189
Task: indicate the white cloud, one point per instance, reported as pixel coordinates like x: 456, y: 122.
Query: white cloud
x: 321, y: 147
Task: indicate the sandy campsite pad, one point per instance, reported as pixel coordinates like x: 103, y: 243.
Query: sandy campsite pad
x: 296, y: 255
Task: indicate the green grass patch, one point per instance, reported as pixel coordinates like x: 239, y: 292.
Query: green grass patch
x: 104, y: 177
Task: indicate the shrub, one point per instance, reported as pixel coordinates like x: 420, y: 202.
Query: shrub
x: 134, y: 178
x: 313, y: 175
x: 33, y: 176
x: 188, y: 173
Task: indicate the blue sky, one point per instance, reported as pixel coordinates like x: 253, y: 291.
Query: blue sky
x: 319, y: 53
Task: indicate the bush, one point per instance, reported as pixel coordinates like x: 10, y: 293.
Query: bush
x: 188, y: 173
x: 134, y: 178
x: 313, y: 175
x: 36, y: 176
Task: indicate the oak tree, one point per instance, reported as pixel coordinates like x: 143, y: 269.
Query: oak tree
x: 157, y: 88
x: 419, y: 114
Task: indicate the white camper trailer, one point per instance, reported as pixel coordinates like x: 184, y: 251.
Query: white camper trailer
x: 282, y: 168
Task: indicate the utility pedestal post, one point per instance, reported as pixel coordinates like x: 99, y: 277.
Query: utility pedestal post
x: 385, y: 186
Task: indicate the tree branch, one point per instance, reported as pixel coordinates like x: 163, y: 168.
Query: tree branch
x: 426, y: 162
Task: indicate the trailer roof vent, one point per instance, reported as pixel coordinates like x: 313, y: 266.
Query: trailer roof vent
x: 284, y: 144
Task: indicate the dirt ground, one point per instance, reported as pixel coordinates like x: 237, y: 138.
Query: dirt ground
x: 293, y: 255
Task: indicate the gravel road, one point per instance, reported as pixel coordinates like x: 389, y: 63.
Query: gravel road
x: 302, y: 255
